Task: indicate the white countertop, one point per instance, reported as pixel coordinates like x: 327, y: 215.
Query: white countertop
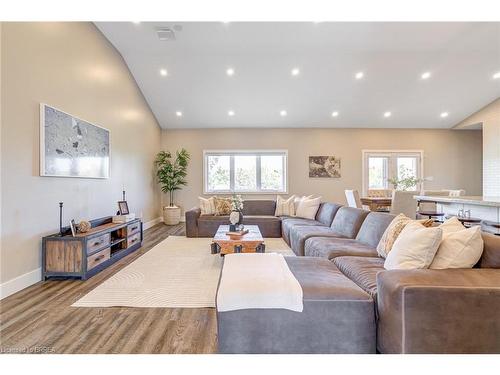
x: 473, y: 200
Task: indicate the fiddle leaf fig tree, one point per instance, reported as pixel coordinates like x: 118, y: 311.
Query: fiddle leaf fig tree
x: 171, y: 173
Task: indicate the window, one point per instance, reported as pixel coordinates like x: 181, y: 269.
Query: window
x: 245, y: 171
x: 381, y: 166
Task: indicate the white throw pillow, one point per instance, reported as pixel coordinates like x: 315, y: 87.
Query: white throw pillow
x: 297, y: 200
x: 451, y: 225
x: 414, y: 248
x: 308, y: 208
x: 459, y: 249
x: 207, y: 206
x: 285, y: 207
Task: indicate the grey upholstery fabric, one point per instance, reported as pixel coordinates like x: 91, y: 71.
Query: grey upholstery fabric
x: 338, y: 317
x: 491, y: 252
x: 300, y: 233
x: 259, y: 207
x: 348, y: 220
x: 288, y: 222
x: 208, y: 224
x: 362, y: 270
x: 327, y: 212
x: 192, y: 222
x: 373, y: 228
x: 439, y: 311
x: 269, y: 226
x: 329, y: 248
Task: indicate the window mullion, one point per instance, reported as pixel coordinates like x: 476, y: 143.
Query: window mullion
x: 258, y: 171
x: 231, y: 173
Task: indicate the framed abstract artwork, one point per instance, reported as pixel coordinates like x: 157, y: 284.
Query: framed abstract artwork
x: 324, y: 166
x: 72, y: 147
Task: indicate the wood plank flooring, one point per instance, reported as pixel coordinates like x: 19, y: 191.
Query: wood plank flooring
x: 40, y: 319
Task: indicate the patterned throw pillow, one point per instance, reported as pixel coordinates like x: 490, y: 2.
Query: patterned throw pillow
x: 222, y: 206
x: 285, y: 207
x: 393, y: 230
x: 207, y: 206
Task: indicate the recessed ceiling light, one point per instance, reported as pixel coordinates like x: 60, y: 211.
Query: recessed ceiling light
x: 178, y: 114
x: 335, y: 114
x: 163, y: 72
x: 295, y: 71
x: 136, y: 22
x: 496, y: 75
x: 230, y: 113
x: 426, y: 75
x: 283, y: 113
x: 387, y: 114
x: 230, y: 72
x: 444, y: 114
x: 359, y: 75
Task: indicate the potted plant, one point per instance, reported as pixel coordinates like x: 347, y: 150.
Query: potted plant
x: 406, y: 182
x: 236, y: 216
x: 171, y: 174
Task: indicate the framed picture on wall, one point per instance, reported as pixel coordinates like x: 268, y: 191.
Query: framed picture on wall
x: 324, y: 166
x: 72, y: 147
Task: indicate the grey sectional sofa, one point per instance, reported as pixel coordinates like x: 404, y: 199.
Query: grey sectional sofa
x: 418, y: 311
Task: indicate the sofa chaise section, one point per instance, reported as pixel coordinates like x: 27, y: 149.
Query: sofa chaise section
x: 345, y: 224
x: 338, y: 317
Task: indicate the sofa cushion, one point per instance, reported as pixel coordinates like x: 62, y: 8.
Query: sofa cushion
x: 269, y: 226
x: 299, y: 234
x: 329, y: 247
x: 362, y: 270
x: 491, y: 251
x: 327, y: 212
x: 288, y: 222
x: 373, y: 228
x: 348, y: 220
x: 259, y: 207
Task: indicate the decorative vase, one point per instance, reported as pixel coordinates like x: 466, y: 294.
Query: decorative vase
x: 235, y: 218
x: 171, y: 215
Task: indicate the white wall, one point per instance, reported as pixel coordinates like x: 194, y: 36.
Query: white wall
x: 452, y: 157
x: 73, y: 67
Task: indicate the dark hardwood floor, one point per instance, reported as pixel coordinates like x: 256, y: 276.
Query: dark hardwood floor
x: 40, y: 318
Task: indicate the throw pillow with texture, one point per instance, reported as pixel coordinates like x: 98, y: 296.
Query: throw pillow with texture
x: 451, y: 225
x: 297, y: 200
x: 414, y: 248
x: 392, y: 232
x: 207, y: 205
x: 308, y: 208
x: 222, y: 206
x: 459, y: 249
x: 285, y: 207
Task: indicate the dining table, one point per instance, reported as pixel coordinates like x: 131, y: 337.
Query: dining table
x: 376, y: 203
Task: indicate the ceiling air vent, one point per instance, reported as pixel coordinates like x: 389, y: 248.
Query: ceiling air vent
x: 165, y: 34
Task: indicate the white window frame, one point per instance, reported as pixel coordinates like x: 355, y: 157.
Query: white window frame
x: 258, y: 154
x: 392, y: 155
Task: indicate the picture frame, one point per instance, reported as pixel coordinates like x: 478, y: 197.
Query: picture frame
x: 72, y: 225
x: 71, y: 146
x: 123, y: 208
x: 324, y: 167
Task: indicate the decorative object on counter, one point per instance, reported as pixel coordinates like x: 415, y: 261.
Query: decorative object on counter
x: 123, y: 218
x: 84, y: 226
x: 73, y: 227
x: 60, y: 219
x: 236, y: 215
x: 171, y: 175
x: 83, y: 146
x: 324, y: 166
x: 406, y: 182
x: 123, y: 208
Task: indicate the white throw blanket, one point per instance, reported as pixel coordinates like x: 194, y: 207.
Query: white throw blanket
x: 258, y: 281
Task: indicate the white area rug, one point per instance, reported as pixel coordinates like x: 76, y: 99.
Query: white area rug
x: 178, y: 272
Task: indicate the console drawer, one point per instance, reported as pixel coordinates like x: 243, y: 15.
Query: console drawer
x: 98, y: 242
x: 133, y: 228
x: 98, y: 258
x: 134, y: 239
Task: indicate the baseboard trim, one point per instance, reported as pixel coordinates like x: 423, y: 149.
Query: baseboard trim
x: 19, y: 283
x: 152, y: 223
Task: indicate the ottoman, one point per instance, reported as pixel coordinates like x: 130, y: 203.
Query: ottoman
x: 338, y: 317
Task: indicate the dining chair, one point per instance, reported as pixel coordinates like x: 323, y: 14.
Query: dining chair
x: 404, y: 203
x: 353, y: 200
x: 380, y: 193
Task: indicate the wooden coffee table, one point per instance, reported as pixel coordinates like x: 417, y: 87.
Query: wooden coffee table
x: 252, y: 242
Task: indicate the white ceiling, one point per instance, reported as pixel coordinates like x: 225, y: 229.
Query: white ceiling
x: 462, y: 58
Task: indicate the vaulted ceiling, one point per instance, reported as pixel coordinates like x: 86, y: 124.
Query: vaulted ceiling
x: 305, y: 74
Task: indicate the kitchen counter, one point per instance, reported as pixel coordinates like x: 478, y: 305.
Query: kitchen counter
x: 469, y: 200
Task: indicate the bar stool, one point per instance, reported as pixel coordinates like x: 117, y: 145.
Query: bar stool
x: 434, y: 215
x: 467, y: 221
x: 491, y: 227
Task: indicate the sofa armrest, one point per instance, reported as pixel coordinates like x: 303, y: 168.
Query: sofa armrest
x: 192, y: 222
x: 439, y: 311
